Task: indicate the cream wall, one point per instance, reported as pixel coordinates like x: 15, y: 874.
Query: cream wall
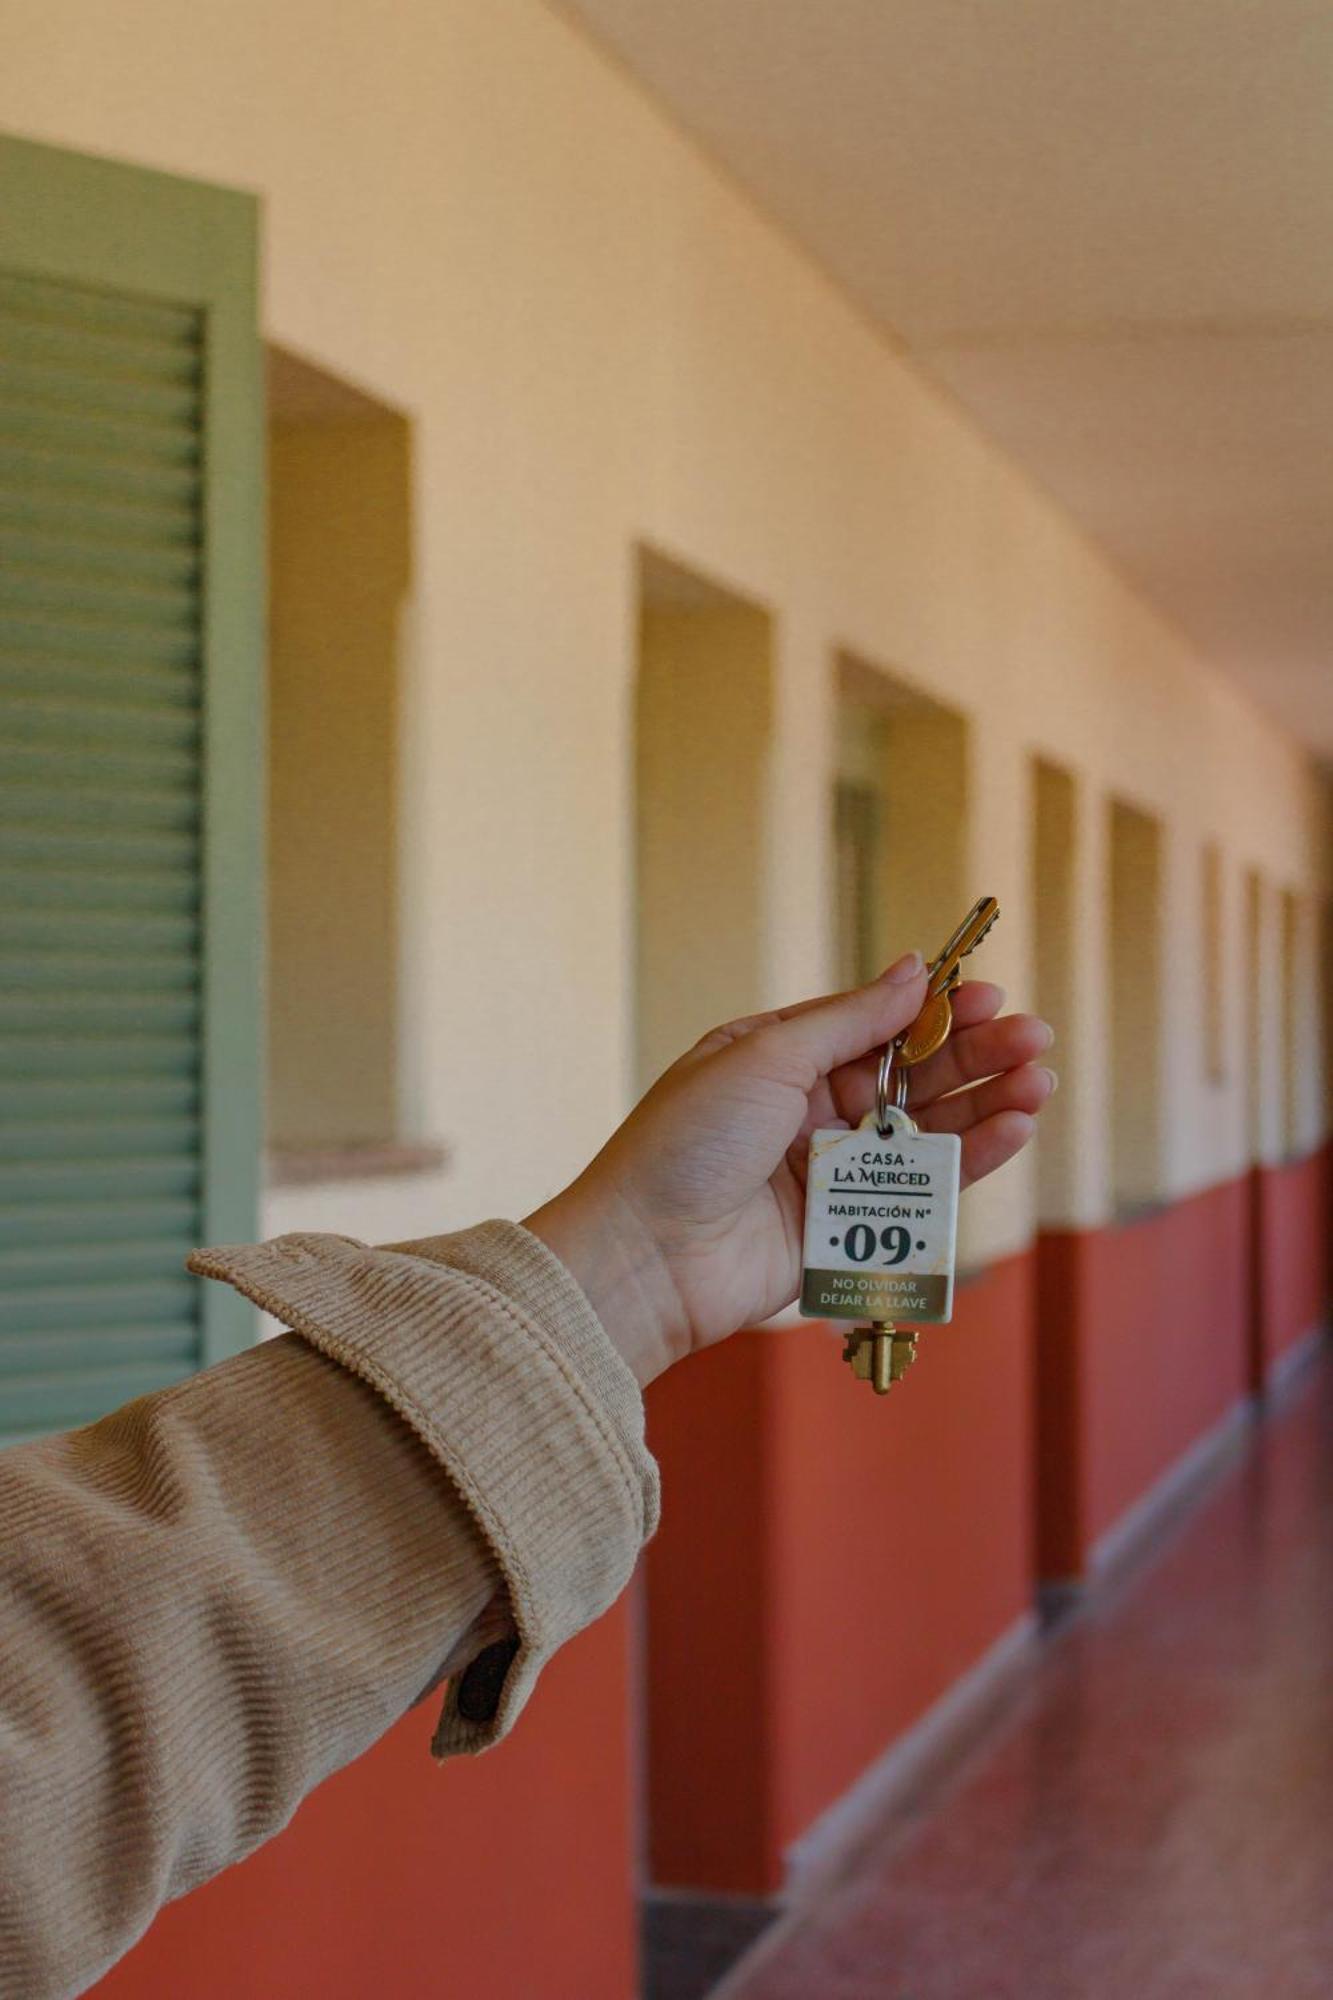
x: 478, y: 218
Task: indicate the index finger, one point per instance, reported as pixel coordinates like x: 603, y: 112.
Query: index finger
x: 852, y: 1084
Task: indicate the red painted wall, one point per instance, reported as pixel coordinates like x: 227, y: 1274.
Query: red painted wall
x: 1294, y: 1207
x: 1163, y: 1332
x: 904, y: 1524
x: 829, y: 1563
x: 1142, y: 1347
x: 507, y: 1874
x: 1147, y: 1336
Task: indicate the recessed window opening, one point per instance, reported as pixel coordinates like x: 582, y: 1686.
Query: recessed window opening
x: 1135, y: 914
x: 1055, y: 943
x: 340, y: 577
x: 702, y: 723
x: 900, y: 826
x: 1324, y: 1066
x: 1212, y: 963
x: 1293, y: 1029
x: 1255, y: 1011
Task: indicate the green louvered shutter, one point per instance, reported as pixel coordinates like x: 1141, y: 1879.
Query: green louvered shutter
x: 130, y: 594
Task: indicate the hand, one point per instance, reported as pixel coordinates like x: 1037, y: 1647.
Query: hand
x: 689, y: 1222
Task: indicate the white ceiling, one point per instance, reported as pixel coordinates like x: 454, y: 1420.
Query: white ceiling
x: 1106, y: 226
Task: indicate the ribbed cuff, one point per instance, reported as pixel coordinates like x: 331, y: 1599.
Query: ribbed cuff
x: 485, y: 1345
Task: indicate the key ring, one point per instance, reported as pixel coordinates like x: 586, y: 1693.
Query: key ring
x: 882, y: 1103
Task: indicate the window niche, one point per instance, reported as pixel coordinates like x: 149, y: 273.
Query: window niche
x: 900, y: 820
x: 1054, y: 855
x: 340, y: 574
x: 1294, y: 1031
x: 1134, y: 906
x: 703, y: 704
x: 1212, y: 963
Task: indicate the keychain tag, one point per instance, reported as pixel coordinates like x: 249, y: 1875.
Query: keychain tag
x: 881, y: 1216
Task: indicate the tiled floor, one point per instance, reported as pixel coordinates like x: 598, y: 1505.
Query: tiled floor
x: 1153, y: 1820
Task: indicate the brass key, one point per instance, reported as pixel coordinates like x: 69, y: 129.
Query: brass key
x: 930, y: 1030
x: 880, y: 1354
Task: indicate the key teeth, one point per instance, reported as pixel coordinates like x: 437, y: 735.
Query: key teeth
x: 904, y: 1354
x: 880, y: 1355
x: 858, y: 1354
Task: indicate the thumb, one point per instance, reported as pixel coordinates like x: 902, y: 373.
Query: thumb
x: 808, y: 1041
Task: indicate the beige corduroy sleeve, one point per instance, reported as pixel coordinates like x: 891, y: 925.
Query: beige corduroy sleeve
x: 221, y: 1593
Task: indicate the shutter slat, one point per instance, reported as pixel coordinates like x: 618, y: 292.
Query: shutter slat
x: 104, y: 1302
x: 75, y: 1141
x: 44, y: 343
x: 152, y: 1176
x: 26, y: 466
x: 164, y: 891
x: 26, y: 1268
x: 74, y: 847
x: 57, y: 596
x: 52, y: 1350
x: 73, y: 1222
x: 48, y: 510
x: 97, y: 639
x: 92, y: 441
x: 73, y: 1056
x: 96, y: 1013
x: 52, y: 762
x: 68, y: 972
x: 114, y: 931
x: 52, y: 720
x: 58, y: 547
x: 129, y: 809
x: 78, y: 309
x: 100, y: 639
x: 92, y: 386
x: 106, y: 1097
x: 135, y: 685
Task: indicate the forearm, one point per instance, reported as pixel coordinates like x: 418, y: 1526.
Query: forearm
x: 218, y: 1595
x: 211, y: 1600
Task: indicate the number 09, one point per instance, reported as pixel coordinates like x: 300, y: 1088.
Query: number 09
x: 862, y: 1243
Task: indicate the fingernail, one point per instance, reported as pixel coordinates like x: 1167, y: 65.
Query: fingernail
x: 905, y: 968
x: 1053, y: 1075
x: 1050, y: 1034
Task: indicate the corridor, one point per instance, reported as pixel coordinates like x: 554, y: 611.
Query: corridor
x: 668, y: 509
x: 1152, y: 1815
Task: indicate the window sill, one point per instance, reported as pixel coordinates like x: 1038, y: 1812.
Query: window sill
x: 324, y: 1166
